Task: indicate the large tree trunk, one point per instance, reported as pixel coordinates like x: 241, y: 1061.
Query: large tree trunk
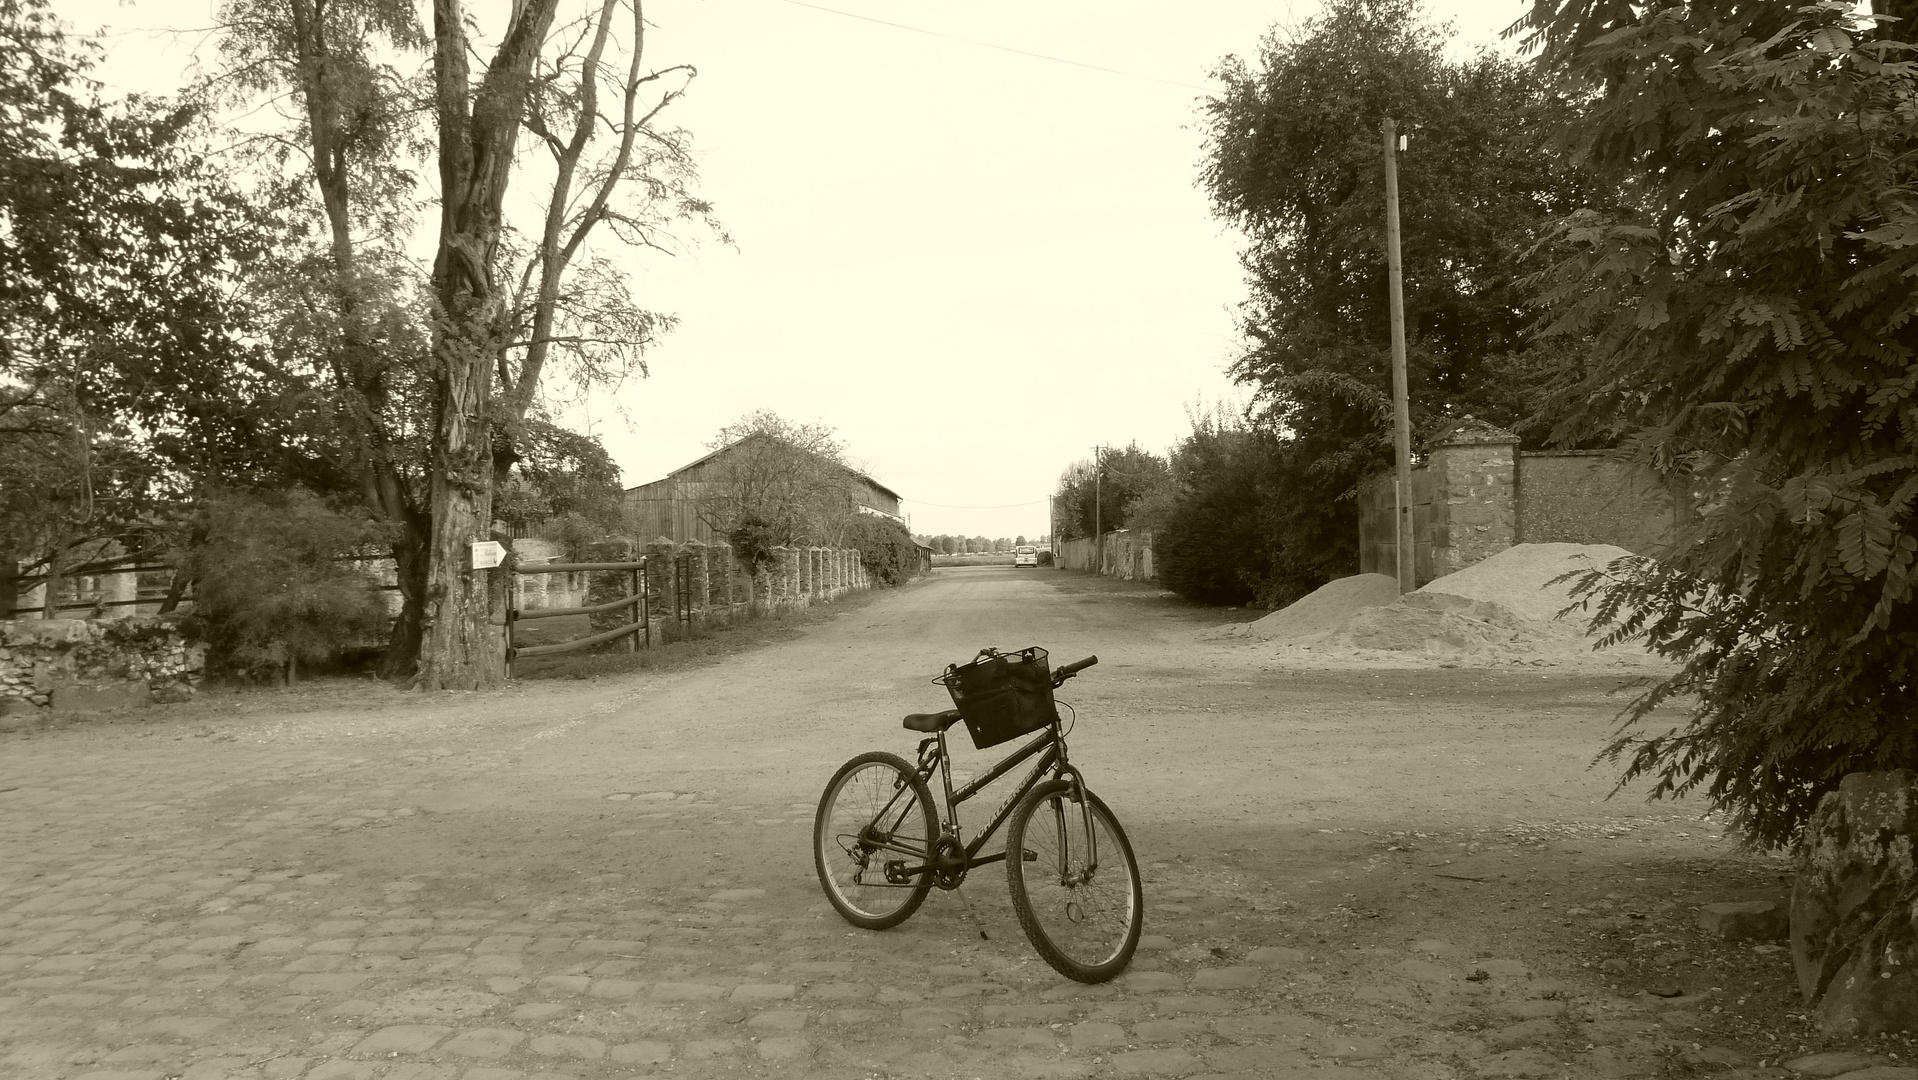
x: 402, y: 656
x: 464, y: 645
x: 9, y: 583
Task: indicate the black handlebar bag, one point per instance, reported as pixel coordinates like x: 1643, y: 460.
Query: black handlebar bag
x: 1002, y: 696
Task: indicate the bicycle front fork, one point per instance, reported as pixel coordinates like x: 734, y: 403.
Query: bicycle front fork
x: 1067, y: 876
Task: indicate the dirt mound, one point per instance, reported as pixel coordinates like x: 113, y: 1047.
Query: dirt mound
x: 1324, y: 609
x: 1520, y: 577
x: 1503, y: 610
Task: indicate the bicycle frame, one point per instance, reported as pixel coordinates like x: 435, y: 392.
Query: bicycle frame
x: 1049, y: 747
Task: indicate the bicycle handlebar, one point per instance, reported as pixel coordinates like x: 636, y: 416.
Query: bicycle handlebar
x: 1069, y: 670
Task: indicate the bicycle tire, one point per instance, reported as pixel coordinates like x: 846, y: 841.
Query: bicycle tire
x: 843, y: 854
x: 1087, y: 931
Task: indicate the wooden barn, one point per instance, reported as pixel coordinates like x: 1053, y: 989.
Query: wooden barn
x: 670, y: 506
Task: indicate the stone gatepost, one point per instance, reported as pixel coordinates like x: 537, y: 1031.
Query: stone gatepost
x: 719, y: 569
x: 605, y: 586
x: 782, y: 574
x: 702, y: 579
x: 659, y: 554
x: 1474, y: 498
x: 838, y: 570
x: 816, y: 565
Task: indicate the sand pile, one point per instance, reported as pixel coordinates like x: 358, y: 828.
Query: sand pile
x: 1323, y: 610
x: 1502, y: 610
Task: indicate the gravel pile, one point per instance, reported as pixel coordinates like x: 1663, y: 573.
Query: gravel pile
x: 1504, y: 610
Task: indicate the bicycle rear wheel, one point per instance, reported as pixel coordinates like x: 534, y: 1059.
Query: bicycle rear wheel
x: 872, y: 840
x: 1084, y: 922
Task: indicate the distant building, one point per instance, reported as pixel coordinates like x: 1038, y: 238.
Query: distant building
x: 669, y: 506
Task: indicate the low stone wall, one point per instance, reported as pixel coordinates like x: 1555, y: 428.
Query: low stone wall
x: 1127, y: 555
x: 84, y: 665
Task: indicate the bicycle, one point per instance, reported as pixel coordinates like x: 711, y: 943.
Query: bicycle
x: 880, y: 844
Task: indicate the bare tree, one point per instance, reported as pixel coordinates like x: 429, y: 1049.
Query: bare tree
x: 789, y: 482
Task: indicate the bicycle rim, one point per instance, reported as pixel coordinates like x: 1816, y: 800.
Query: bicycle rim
x: 875, y: 812
x: 1085, y: 925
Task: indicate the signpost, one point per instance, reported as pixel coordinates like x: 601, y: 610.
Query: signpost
x: 488, y: 554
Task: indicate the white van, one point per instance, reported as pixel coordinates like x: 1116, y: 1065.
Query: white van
x: 1025, y: 555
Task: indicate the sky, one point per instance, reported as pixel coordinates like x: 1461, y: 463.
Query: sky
x: 955, y: 240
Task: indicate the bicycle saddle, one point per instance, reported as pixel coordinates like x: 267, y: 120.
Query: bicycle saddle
x: 931, y: 721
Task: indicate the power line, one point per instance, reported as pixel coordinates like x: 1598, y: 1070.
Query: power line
x: 1001, y: 48
x: 1002, y: 506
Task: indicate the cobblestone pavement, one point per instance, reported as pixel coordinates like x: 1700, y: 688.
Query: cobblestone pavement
x: 613, y: 880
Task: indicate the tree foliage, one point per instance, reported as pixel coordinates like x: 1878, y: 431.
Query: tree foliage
x: 1294, y: 159
x: 885, y: 547
x: 129, y: 370
x: 273, y: 586
x: 1100, y: 494
x: 1756, y: 345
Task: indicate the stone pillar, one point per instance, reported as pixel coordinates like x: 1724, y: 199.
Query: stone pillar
x: 702, y: 578
x: 1474, y: 510
x: 782, y: 573
x: 659, y: 554
x: 719, y: 561
x: 605, y: 586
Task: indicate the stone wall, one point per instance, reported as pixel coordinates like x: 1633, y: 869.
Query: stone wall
x: 1127, y: 554
x: 81, y: 665
x: 1478, y: 494
x: 1590, y: 497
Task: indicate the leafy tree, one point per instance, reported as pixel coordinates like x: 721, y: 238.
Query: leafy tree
x: 561, y: 474
x: 272, y: 588
x: 1212, y: 545
x: 1101, y: 492
x: 128, y: 372
x: 438, y: 422
x: 1756, y: 343
x: 1294, y: 160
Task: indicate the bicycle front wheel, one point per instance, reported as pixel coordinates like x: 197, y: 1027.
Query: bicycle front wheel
x: 872, y: 840
x: 1080, y: 903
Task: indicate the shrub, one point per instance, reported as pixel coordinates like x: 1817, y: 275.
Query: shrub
x: 886, y: 548
x: 271, y: 589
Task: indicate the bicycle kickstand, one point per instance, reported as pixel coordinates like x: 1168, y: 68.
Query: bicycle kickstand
x: 966, y: 906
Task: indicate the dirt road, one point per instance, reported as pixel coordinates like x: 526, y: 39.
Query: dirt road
x: 1350, y: 874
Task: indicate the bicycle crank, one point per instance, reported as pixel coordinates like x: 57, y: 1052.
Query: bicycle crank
x: 948, y: 863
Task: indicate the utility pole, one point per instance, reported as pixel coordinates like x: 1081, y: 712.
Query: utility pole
x: 1098, y: 499
x: 1401, y: 409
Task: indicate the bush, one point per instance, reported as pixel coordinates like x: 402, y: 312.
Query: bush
x: 886, y: 548
x: 753, y: 542
x: 271, y: 589
x: 1045, y: 558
